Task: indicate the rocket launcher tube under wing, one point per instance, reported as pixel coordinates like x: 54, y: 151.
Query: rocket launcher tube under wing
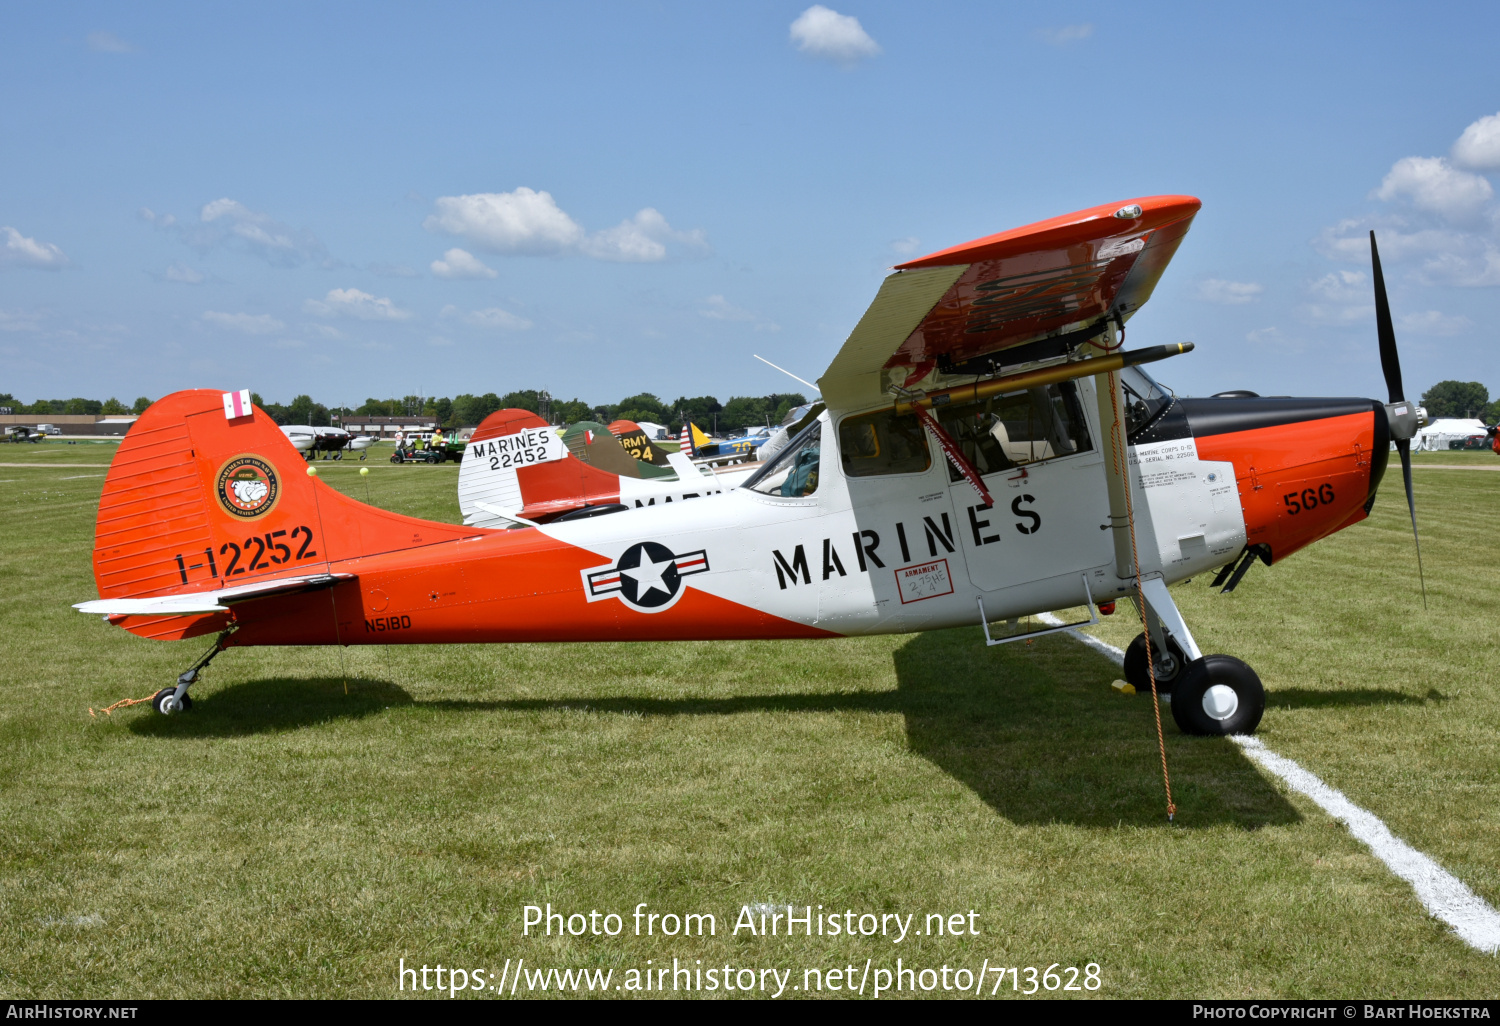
x: 1045, y: 376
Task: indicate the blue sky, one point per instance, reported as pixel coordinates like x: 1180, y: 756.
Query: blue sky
x: 347, y: 200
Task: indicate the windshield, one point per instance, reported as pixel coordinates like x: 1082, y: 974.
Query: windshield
x: 794, y: 471
x: 1145, y: 397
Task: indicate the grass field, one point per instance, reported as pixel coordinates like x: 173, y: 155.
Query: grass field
x: 289, y: 839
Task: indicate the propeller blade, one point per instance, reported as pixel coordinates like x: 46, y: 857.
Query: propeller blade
x: 1390, y: 362
x: 1403, y: 446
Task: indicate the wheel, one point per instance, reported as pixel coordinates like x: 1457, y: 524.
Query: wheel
x: 159, y: 702
x: 395, y: 457
x: 362, y: 457
x: 433, y: 458
x: 339, y: 455
x: 1169, y: 664
x: 1218, y: 694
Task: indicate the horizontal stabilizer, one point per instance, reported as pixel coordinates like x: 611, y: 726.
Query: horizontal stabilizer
x: 505, y: 514
x: 208, y: 601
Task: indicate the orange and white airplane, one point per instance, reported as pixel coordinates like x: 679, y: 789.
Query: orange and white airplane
x: 988, y: 450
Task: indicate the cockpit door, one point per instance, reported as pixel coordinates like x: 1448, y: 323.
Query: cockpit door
x: 1037, y: 457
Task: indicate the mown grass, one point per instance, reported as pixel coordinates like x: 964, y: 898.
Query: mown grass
x: 289, y: 839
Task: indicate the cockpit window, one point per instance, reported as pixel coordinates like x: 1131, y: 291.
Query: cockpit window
x: 1144, y: 398
x: 793, y: 472
x: 883, y: 442
x: 1007, y: 431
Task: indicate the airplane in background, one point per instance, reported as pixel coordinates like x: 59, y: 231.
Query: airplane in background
x: 332, y: 441
x: 711, y: 450
x: 637, y: 441
x: 517, y: 470
x: 987, y: 449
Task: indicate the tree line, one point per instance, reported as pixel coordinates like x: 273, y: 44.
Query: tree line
x: 110, y: 407
x: 1444, y: 399
x: 468, y: 410
x: 1460, y: 399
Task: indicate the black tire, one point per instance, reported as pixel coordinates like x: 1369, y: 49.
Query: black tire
x: 395, y: 457
x: 1191, y: 700
x: 1168, y: 672
x: 434, y: 458
x: 156, y: 700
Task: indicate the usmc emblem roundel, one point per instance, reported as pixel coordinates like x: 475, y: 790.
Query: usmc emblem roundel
x: 248, y: 487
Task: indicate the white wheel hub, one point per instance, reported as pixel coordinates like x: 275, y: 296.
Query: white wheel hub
x: 170, y: 704
x: 1220, y: 702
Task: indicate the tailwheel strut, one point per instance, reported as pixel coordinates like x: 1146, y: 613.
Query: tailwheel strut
x: 174, y: 699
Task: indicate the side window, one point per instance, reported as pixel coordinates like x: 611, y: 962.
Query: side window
x: 793, y: 472
x: 883, y: 443
x: 1007, y: 431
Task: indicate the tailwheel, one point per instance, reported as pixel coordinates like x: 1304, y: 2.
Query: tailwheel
x: 166, y: 704
x: 1218, y: 695
x: 1169, y: 665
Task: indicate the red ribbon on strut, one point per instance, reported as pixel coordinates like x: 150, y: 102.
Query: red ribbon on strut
x: 953, y: 452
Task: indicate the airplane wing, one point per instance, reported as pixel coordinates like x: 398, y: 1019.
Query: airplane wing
x: 953, y: 307
x: 208, y: 601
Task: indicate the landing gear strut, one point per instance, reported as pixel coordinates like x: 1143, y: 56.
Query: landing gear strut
x: 175, y: 699
x: 1211, y: 694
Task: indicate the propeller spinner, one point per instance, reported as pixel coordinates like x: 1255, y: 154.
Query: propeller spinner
x: 1401, y: 414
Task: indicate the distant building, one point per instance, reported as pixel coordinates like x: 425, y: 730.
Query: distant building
x: 386, y: 427
x: 76, y: 424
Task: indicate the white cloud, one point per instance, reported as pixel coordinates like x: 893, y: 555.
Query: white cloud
x: 1478, y: 267
x: 640, y: 239
x: 531, y: 223
x: 1068, y: 34
x: 1479, y: 147
x: 523, y: 221
x: 1436, y: 187
x: 1434, y: 322
x: 717, y: 308
x: 248, y: 324
x: 906, y: 246
x: 1448, y: 256
x: 1339, y: 299
x: 182, y: 273
x: 1229, y: 293
x: 1264, y: 335
x: 232, y: 225
x: 18, y: 320
x: 108, y: 42
x: 1343, y: 287
x: 20, y: 251
x: 354, y: 303
x: 459, y: 263
x: 492, y: 318
x: 324, y: 330
x: 822, y: 32
x: 232, y: 222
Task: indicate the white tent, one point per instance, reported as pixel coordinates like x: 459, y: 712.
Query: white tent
x: 1436, y: 435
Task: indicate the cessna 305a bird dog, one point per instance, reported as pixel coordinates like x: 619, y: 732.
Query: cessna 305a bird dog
x: 988, y: 450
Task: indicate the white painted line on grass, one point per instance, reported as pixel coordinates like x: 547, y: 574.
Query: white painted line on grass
x: 1440, y: 892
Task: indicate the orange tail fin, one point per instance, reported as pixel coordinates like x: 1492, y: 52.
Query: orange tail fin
x: 197, y: 500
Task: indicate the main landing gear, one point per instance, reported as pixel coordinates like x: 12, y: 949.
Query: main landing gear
x: 1210, y: 694
x: 175, y: 699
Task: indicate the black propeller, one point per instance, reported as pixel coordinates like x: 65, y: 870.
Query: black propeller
x: 1390, y: 363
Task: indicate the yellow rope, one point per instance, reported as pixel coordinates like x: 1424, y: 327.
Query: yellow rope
x: 122, y: 703
x: 1119, y: 448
